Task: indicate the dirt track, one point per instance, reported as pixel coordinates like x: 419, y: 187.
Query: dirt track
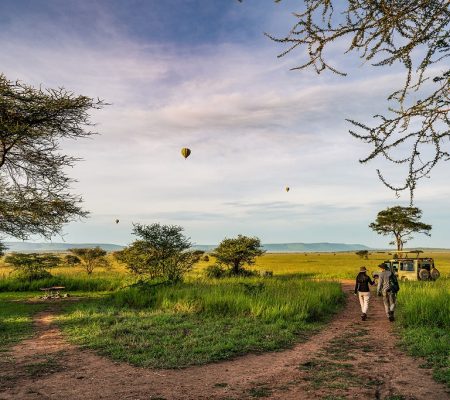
x: 348, y: 359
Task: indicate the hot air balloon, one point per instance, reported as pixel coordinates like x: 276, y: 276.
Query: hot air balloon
x: 287, y: 188
x: 117, y: 221
x: 185, y: 152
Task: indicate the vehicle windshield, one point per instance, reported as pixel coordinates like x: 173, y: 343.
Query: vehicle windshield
x: 407, y: 265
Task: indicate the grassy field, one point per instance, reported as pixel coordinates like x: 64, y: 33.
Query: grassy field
x: 206, y: 320
x: 15, y: 319
x: 200, y: 322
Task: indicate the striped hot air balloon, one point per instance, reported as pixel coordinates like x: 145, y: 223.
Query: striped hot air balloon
x: 185, y: 152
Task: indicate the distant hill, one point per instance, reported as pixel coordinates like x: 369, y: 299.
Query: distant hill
x: 270, y: 247
x: 27, y: 247
x: 300, y: 247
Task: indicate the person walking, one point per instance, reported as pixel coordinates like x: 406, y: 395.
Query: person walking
x: 362, y: 290
x: 388, y: 288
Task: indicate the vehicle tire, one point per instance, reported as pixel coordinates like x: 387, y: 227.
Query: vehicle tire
x: 424, y: 275
x: 435, y: 274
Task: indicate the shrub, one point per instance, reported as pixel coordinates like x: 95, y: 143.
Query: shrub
x: 215, y: 271
x: 32, y: 266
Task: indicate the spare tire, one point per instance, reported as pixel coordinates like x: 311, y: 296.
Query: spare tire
x: 424, y: 275
x: 435, y: 274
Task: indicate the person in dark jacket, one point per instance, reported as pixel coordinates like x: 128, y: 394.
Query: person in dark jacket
x: 362, y: 290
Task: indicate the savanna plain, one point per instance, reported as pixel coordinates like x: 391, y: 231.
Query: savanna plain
x: 203, y: 320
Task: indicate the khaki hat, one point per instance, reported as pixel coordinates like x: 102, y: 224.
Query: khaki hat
x: 362, y: 269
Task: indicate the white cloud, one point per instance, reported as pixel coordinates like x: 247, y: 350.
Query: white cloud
x: 253, y: 127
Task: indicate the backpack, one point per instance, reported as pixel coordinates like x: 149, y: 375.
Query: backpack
x: 393, y: 283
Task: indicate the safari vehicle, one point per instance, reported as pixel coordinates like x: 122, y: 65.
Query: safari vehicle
x: 410, y: 268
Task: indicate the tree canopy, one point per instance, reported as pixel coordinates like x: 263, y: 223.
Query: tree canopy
x: 236, y: 252
x: 400, y: 222
x: 162, y: 251
x: 414, y: 131
x: 31, y: 266
x: 35, y: 193
x: 90, y: 258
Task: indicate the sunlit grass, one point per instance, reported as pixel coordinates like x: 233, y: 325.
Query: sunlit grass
x: 195, y: 323
x: 424, y: 315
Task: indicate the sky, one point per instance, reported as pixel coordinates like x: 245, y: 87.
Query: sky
x: 201, y: 74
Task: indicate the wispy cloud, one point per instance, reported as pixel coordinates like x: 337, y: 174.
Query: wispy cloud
x: 253, y: 126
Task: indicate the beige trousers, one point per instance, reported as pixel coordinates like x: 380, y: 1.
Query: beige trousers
x: 364, y: 298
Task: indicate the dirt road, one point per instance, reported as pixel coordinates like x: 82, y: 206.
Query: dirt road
x: 348, y: 359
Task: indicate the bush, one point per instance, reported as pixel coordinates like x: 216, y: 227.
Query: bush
x: 32, y: 266
x: 215, y: 271
x: 205, y: 258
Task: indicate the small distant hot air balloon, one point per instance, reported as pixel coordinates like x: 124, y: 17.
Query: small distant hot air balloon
x: 117, y: 221
x: 185, y: 152
x: 287, y: 189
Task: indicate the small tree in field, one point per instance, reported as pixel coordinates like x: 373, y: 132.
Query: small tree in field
x: 91, y: 258
x: 237, y: 252
x: 161, y: 252
x: 3, y: 248
x: 71, y: 260
x: 400, y: 222
x: 32, y: 266
x: 363, y: 254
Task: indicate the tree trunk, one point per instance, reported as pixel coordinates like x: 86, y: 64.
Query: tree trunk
x: 236, y: 268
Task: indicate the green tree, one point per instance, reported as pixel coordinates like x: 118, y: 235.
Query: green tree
x: 161, y: 252
x: 35, y: 196
x: 363, y: 254
x: 413, y: 34
x: 71, y: 260
x: 91, y: 258
x: 3, y: 248
x: 31, y: 266
x: 237, y: 252
x: 400, y: 222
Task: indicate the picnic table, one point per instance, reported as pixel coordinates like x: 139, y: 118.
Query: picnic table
x: 53, y: 292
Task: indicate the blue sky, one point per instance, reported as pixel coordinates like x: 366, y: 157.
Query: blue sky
x: 201, y: 74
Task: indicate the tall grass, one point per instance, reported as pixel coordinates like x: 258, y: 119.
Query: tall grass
x: 424, y: 315
x: 195, y: 323
x: 88, y: 284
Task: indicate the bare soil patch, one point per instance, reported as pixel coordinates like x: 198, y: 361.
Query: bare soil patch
x: 349, y: 359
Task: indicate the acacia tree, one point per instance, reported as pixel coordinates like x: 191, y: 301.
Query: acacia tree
x: 161, y: 252
x: 91, y: 258
x: 415, y: 130
x: 35, y: 193
x: 400, y: 222
x: 31, y: 266
x: 237, y: 252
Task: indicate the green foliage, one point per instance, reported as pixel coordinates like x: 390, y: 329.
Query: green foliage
x: 363, y: 254
x: 32, y: 266
x: 93, y: 284
x: 237, y: 252
x: 202, y: 321
x: 15, y: 322
x: 162, y: 251
x: 3, y: 248
x: 215, y: 271
x: 400, y: 222
x: 91, y: 258
x: 424, y: 315
x: 71, y: 260
x: 34, y: 188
